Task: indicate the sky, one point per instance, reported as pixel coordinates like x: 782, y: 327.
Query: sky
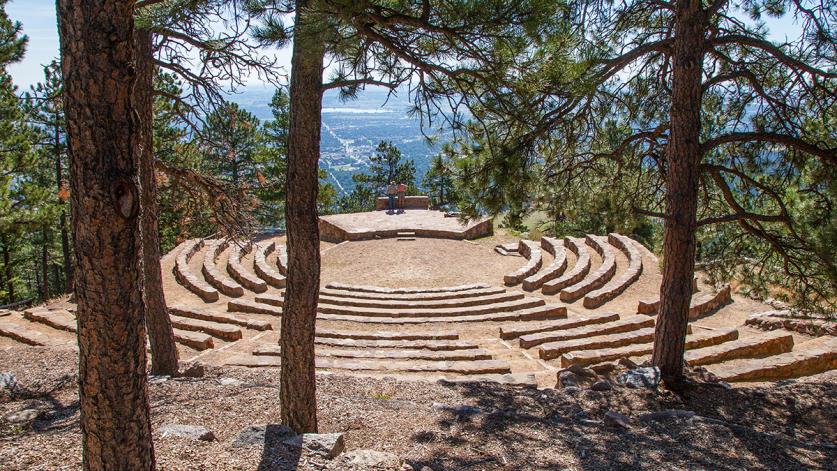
x: 38, y: 18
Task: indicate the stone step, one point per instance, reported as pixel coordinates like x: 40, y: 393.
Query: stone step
x: 771, y: 343
x: 616, y: 286
x: 245, y: 305
x: 548, y: 311
x: 221, y: 331
x: 186, y: 277
x: 195, y: 340
x: 534, y: 260
x: 809, y: 358
x: 510, y: 379
x: 263, y: 269
x: 220, y: 317
x: 704, y: 338
x: 435, y: 345
x: 554, y: 270
x: 57, y: 319
x: 552, y: 350
x: 379, y: 289
x: 387, y: 354
x: 700, y: 305
x: 625, y: 324
x: 506, y: 306
x: 416, y: 304
x: 24, y: 335
x: 387, y: 335
x: 216, y: 277
x: 282, y: 259
x: 459, y: 367
x: 513, y: 331
x: 412, y: 297
x: 598, y: 278
x: 576, y: 273
x: 405, y: 235
x: 239, y: 272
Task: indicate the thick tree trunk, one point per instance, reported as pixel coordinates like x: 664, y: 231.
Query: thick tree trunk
x: 298, y: 385
x: 97, y: 53
x: 65, y: 238
x: 45, y: 265
x: 158, y: 324
x: 682, y: 177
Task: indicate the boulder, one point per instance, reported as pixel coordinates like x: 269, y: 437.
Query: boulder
x: 195, y: 370
x: 372, y: 459
x: 8, y: 381
x: 617, y: 420
x: 229, y: 382
x: 567, y: 379
x: 643, y: 377
x: 260, y: 434
x: 603, y: 385
x: 325, y: 444
x: 193, y: 432
x: 20, y: 417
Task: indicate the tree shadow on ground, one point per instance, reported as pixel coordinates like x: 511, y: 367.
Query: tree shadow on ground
x: 276, y: 455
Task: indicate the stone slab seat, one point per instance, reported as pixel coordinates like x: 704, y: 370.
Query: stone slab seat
x: 702, y: 303
x: 387, y: 353
x: 24, y: 335
x: 412, y: 297
x: 808, y: 358
x: 576, y: 273
x: 252, y: 307
x: 547, y: 311
x: 184, y: 274
x: 625, y: 324
x: 220, y: 317
x: 265, y: 271
x: 459, y: 367
x: 282, y: 259
x: 704, y: 338
x: 221, y: 331
x: 534, y: 260
x: 516, y: 330
x: 379, y: 289
x: 506, y: 306
x: 57, y: 319
x: 213, y: 275
x: 434, y: 345
x: 195, y: 340
x: 771, y: 343
x: 416, y: 304
x: 598, y: 278
x: 616, y: 286
x: 554, y: 270
x: 239, y: 272
x: 387, y: 335
x: 550, y: 350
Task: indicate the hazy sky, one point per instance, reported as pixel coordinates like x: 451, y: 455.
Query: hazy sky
x: 38, y: 18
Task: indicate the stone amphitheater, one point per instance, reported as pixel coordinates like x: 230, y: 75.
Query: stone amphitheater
x: 441, y: 306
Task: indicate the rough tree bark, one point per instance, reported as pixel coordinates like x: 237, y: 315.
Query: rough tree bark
x: 298, y: 385
x: 157, y: 321
x: 683, y: 159
x: 97, y: 60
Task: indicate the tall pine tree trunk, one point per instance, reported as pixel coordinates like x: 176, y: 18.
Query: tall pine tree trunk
x: 298, y: 384
x: 97, y: 54
x: 682, y: 178
x: 157, y: 321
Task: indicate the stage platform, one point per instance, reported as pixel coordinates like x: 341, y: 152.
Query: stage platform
x: 380, y: 224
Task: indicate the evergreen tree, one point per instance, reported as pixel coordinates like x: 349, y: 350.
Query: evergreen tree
x: 385, y: 165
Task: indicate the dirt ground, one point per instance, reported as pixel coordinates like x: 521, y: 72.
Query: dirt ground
x: 439, y: 426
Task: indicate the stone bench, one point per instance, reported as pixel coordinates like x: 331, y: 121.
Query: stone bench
x: 184, y: 274
x: 809, y: 358
x: 252, y: 307
x: 598, y: 278
x: 265, y: 272
x: 455, y: 367
x: 552, y: 350
x: 239, y: 272
x: 421, y: 303
x: 419, y: 344
x: 514, y: 331
x: 518, y: 304
x: 413, y: 296
x: 222, y: 331
x: 388, y: 354
x: 576, y: 273
x: 195, y: 340
x: 213, y: 275
x: 379, y: 289
x: 387, y: 335
x: 534, y: 259
x: 220, y: 317
x: 701, y: 339
x: 615, y: 287
x: 626, y: 324
x: 548, y: 311
x: 282, y: 259
x: 60, y: 319
x: 554, y: 270
x: 772, y: 343
x: 789, y: 320
x: 701, y: 304
x: 410, y: 202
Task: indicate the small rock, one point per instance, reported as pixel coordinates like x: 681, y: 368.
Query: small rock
x: 627, y: 363
x: 644, y: 377
x: 567, y: 379
x: 616, y: 420
x: 155, y: 379
x: 372, y: 459
x: 196, y: 370
x: 229, y: 382
x: 582, y: 371
x: 326, y: 444
x: 187, y: 431
x: 667, y: 414
x: 8, y: 381
x: 458, y: 410
x: 571, y: 390
x: 26, y: 415
x: 604, y: 368
x: 603, y: 385
x: 260, y: 434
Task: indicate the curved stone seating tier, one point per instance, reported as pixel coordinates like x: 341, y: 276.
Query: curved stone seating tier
x: 239, y: 272
x: 433, y: 303
x: 379, y: 289
x: 184, y: 274
x: 25, y: 335
x: 518, y: 304
x: 60, y: 319
x: 421, y: 344
x: 411, y: 297
x: 616, y: 286
x: 265, y: 272
x: 578, y: 271
x: 388, y: 353
x: 506, y: 249
x: 554, y: 270
x: 534, y: 260
x: 220, y: 317
x: 245, y: 305
x: 213, y: 275
x: 701, y: 304
x: 811, y: 357
x: 196, y: 340
x: 514, y: 331
x: 702, y: 339
x: 552, y: 350
x: 282, y: 259
x: 387, y: 335
x: 598, y: 278
x: 626, y: 324
x: 221, y: 331
x: 548, y: 311
x: 458, y: 367
x: 772, y: 343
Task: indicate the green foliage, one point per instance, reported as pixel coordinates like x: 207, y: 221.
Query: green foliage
x: 385, y: 165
